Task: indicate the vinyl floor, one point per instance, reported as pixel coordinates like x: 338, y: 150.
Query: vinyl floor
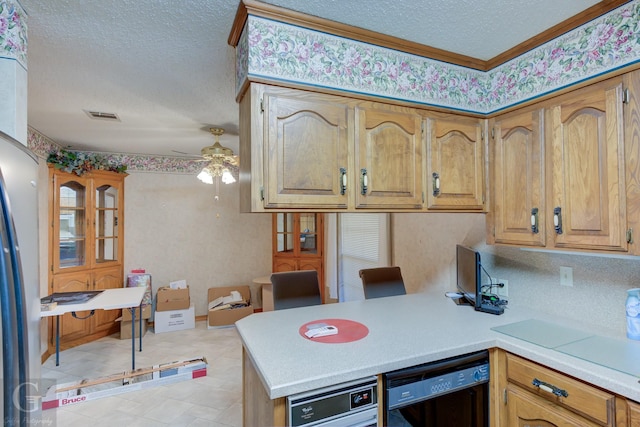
x: 214, y: 400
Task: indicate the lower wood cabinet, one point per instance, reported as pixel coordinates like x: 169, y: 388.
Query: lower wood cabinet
x: 534, y: 395
x: 634, y: 414
x: 74, y: 331
x: 527, y: 409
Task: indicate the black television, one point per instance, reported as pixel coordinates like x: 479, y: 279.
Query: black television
x: 468, y: 280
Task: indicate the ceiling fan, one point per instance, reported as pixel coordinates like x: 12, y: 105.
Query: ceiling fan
x: 222, y: 163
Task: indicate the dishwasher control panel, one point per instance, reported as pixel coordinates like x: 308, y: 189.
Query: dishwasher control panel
x: 422, y: 388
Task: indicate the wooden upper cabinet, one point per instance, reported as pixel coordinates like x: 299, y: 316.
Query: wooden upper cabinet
x: 455, y: 169
x: 587, y: 184
x: 388, y: 157
x: 517, y: 175
x: 306, y: 149
x: 86, y: 215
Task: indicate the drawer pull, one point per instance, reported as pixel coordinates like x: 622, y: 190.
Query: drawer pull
x: 549, y: 388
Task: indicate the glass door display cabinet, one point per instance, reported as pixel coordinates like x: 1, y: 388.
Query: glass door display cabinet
x: 298, y: 243
x: 86, y: 246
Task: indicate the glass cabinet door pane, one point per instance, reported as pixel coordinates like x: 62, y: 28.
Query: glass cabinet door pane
x: 308, y: 233
x: 72, y: 197
x: 107, y: 249
x: 106, y: 223
x: 284, y: 232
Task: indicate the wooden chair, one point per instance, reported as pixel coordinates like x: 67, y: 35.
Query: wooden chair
x: 382, y: 282
x: 295, y: 289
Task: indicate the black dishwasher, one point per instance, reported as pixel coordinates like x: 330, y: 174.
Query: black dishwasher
x: 452, y: 392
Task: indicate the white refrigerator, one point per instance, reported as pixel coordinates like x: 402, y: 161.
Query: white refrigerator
x: 19, y: 286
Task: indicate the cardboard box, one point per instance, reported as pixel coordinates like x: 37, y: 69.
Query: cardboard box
x: 174, y: 320
x: 125, y: 329
x: 227, y: 317
x: 168, y: 299
x: 146, y: 313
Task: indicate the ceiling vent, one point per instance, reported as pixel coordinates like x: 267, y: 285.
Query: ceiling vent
x: 98, y: 115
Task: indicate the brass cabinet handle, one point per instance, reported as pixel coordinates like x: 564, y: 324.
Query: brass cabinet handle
x: 436, y: 183
x: 549, y: 388
x: 343, y: 181
x: 557, y: 219
x: 364, y: 180
x: 534, y: 221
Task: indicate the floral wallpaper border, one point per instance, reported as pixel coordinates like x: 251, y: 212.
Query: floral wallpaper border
x: 13, y: 32
x: 279, y: 51
x: 42, y: 146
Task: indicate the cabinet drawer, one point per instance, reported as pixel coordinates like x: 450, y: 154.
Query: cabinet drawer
x: 581, y: 398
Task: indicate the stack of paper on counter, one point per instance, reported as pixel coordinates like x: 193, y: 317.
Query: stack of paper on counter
x: 232, y: 300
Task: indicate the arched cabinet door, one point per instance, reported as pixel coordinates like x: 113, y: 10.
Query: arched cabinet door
x: 388, y: 157
x: 588, y: 192
x: 455, y: 167
x: 517, y: 179
x: 306, y: 149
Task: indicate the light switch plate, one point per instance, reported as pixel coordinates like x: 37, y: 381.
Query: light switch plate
x: 566, y: 276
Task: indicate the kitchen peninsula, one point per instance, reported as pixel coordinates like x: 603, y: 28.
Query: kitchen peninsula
x: 404, y: 331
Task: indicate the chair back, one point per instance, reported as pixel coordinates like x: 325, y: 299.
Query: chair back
x: 295, y: 289
x: 382, y: 282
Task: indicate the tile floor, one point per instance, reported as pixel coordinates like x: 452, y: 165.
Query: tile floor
x: 214, y: 400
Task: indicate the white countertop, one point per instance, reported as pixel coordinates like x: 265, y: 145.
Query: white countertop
x: 404, y: 331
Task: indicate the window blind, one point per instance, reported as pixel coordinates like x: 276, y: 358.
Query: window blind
x: 363, y: 243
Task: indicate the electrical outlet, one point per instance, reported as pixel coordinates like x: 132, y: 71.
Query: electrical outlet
x: 566, y: 276
x: 503, y: 291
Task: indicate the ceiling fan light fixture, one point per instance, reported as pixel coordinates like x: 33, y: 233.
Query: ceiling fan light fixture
x: 222, y: 163
x: 205, y: 176
x: 227, y: 177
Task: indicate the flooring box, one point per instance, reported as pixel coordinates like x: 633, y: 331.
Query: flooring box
x: 125, y: 329
x: 146, y: 313
x: 228, y: 316
x: 174, y: 320
x: 59, y: 395
x: 168, y: 299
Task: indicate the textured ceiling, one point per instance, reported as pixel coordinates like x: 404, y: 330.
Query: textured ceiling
x: 164, y: 67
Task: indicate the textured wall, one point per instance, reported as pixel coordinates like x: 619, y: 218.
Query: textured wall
x: 172, y: 229
x: 424, y: 247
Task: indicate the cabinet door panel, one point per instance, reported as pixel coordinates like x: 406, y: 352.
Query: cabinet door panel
x: 526, y: 409
x: 106, y: 279
x: 284, y: 264
x: 456, y: 159
x: 389, y: 150
x: 634, y: 414
x: 70, y: 244
x: 518, y: 179
x: 588, y: 180
x: 70, y: 327
x: 306, y: 147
